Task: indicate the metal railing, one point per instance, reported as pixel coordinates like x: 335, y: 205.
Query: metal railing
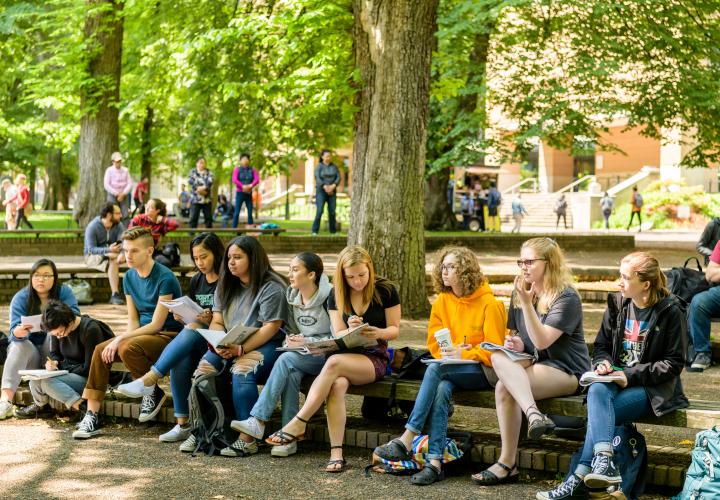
x: 516, y: 186
x: 576, y: 183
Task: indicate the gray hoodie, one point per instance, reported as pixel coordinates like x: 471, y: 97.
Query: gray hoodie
x: 310, y: 320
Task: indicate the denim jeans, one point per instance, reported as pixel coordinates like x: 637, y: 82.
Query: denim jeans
x: 704, y: 306
x: 244, y: 386
x: 433, y: 400
x: 64, y: 388
x: 241, y: 198
x: 321, y: 198
x: 180, y: 358
x: 607, y: 406
x: 284, y: 384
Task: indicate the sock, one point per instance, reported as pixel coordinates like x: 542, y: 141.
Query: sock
x: 150, y: 378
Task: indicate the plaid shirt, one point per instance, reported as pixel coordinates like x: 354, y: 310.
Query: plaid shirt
x: 199, y: 179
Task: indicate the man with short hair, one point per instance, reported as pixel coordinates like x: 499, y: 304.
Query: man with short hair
x: 494, y: 200
x: 102, y: 247
x: 118, y: 184
x: 703, y: 307
x: 150, y: 328
x: 245, y: 179
x: 201, y: 182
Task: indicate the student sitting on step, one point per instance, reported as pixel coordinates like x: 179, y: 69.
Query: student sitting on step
x: 28, y: 349
x: 150, y: 329
x: 72, y: 342
x: 642, y: 339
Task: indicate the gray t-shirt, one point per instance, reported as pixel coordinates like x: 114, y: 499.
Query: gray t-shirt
x: 269, y: 306
x: 569, y: 352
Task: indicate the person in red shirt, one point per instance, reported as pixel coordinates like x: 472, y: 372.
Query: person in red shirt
x: 141, y: 191
x: 22, y: 200
x: 155, y: 219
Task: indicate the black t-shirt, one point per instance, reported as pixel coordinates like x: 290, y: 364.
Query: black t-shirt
x: 201, y: 291
x: 635, y: 332
x: 74, y: 352
x: 375, y: 313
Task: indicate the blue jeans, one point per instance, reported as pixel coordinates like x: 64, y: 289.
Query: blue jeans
x: 433, y: 400
x: 180, y: 358
x: 703, y: 307
x: 321, y: 198
x: 65, y: 388
x: 244, y: 385
x: 241, y: 198
x: 607, y: 406
x: 284, y: 384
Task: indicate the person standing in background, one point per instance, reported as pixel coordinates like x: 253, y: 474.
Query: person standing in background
x: 606, y: 205
x: 118, y: 184
x: 21, y: 200
x: 200, y: 181
x: 245, y: 179
x: 561, y: 211
x: 518, y: 212
x: 327, y: 178
x: 184, y: 201
x: 142, y: 189
x: 636, y: 203
x: 494, y: 200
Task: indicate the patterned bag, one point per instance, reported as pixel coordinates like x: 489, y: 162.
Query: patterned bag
x: 457, y: 445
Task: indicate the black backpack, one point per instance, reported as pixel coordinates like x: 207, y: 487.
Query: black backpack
x: 4, y: 344
x: 685, y: 283
x: 208, y: 418
x: 169, y: 256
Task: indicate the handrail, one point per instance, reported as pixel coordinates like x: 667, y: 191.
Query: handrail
x: 632, y: 180
x: 573, y: 184
x: 524, y: 181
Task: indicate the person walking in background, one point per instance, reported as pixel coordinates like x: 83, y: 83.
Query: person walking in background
x: 142, y: 189
x: 606, y: 205
x: 245, y: 179
x: 466, y: 209
x: 518, y: 212
x: 184, y: 201
x: 327, y: 178
x: 10, y: 206
x: 636, y: 203
x: 118, y: 184
x: 494, y: 200
x: 21, y: 200
x: 200, y: 181
x: 224, y: 210
x: 561, y: 211
x: 479, y: 204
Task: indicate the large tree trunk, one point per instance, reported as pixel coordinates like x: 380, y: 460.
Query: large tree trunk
x: 99, y: 127
x: 438, y: 212
x: 392, y: 44
x: 146, y: 146
x: 56, y: 188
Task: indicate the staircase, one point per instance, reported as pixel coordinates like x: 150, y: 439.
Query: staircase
x: 540, y: 207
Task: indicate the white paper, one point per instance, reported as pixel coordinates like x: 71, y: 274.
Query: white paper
x: 40, y: 374
x: 237, y: 335
x: 33, y: 321
x: 185, y: 308
x: 513, y: 355
x: 214, y: 337
x: 592, y: 377
x: 449, y: 361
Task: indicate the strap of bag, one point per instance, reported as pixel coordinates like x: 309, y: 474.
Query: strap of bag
x: 697, y: 262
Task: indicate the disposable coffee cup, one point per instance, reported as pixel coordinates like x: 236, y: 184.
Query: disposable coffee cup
x: 443, y: 339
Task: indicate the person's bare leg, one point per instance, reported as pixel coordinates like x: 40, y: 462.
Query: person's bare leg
x: 509, y: 421
x: 93, y: 405
x: 113, y: 272
x: 7, y: 395
x: 336, y: 418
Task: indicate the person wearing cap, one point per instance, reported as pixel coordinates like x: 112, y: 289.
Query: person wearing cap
x: 118, y: 184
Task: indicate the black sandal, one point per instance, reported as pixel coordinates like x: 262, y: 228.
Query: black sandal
x: 539, y: 426
x: 332, y: 463
x: 394, y: 451
x: 286, y: 438
x: 489, y: 478
x: 429, y: 475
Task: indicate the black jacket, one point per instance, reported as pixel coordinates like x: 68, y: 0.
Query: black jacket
x: 709, y: 238
x: 663, y: 355
x: 74, y: 353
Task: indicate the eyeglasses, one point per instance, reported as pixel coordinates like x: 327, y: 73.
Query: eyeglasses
x: 43, y: 277
x: 447, y: 267
x: 527, y: 263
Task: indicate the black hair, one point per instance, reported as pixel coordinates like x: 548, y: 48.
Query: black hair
x: 244, y: 155
x: 212, y: 243
x: 160, y: 206
x: 492, y: 184
x: 322, y: 153
x: 313, y: 264
x: 33, y: 301
x: 229, y: 286
x: 55, y: 314
x: 108, y: 208
x: 222, y: 198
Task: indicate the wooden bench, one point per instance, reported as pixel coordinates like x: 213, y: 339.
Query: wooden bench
x: 77, y: 271
x: 43, y: 232
x: 185, y: 230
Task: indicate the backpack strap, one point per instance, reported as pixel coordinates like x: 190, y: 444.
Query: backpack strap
x: 697, y: 262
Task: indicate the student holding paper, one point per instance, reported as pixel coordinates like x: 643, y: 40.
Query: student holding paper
x: 249, y: 293
x: 181, y: 356
x: 643, y: 338
x: 308, y: 321
x: 360, y: 297
x: 466, y: 307
x: 546, y: 319
x: 28, y: 349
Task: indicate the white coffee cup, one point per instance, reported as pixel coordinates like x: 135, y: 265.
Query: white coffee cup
x: 443, y: 338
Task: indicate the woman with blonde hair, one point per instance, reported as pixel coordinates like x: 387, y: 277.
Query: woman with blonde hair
x: 467, y: 308
x: 21, y: 201
x: 359, y: 297
x: 545, y: 320
x: 642, y: 342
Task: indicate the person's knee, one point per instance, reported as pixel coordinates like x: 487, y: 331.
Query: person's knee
x: 701, y: 304
x: 340, y: 386
x: 129, y: 349
x: 444, y: 391
x: 599, y: 391
x: 501, y: 393
x: 332, y: 365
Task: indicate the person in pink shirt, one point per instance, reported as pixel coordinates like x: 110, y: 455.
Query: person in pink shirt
x: 245, y: 179
x: 118, y: 184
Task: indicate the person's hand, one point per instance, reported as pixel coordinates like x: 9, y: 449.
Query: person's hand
x: 371, y: 332
x: 354, y: 321
x: 604, y: 368
x: 229, y: 351
x: 51, y: 365
x: 159, y: 219
x: 202, y: 190
x: 108, y: 354
x: 514, y: 343
x: 121, y: 196
x: 454, y: 352
x: 115, y: 247
x: 247, y: 189
x: 179, y: 318
x: 524, y: 294
x: 22, y: 331
x: 294, y: 340
x: 205, y: 317
x: 623, y: 382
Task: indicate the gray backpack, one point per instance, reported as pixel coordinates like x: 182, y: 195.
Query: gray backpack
x: 210, y: 425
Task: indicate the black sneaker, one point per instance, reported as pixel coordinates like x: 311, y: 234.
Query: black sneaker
x: 117, y: 300
x: 604, y: 473
x: 89, y: 427
x: 701, y: 362
x: 572, y: 488
x: 152, y: 404
x: 33, y: 411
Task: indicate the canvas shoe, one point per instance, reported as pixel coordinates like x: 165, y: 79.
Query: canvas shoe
x: 573, y: 488
x: 33, y: 411
x: 701, y: 362
x: 250, y: 426
x: 284, y: 450
x: 604, y: 473
x: 7, y: 410
x: 189, y: 445
x: 135, y: 389
x: 175, y: 434
x: 89, y: 426
x: 240, y: 449
x: 151, y: 404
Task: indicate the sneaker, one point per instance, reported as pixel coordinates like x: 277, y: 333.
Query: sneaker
x: 135, y: 389
x: 240, y: 449
x: 89, y: 427
x: 604, y: 473
x: 250, y: 426
x: 189, y: 445
x: 116, y: 299
x: 175, y: 434
x: 284, y: 450
x: 7, y: 410
x: 701, y: 362
x: 33, y: 411
x: 573, y: 488
x: 151, y: 404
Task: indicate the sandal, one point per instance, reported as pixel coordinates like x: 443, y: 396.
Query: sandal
x: 489, y: 478
x: 331, y: 465
x: 394, y: 451
x: 282, y: 438
x: 429, y: 475
x: 539, y: 426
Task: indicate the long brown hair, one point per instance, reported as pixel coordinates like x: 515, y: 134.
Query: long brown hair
x: 349, y: 257
x: 467, y: 270
x: 647, y: 269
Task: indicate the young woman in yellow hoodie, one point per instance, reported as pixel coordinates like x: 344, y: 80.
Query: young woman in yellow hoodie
x: 467, y: 307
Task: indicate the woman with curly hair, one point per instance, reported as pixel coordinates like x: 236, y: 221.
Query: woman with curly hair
x: 467, y: 308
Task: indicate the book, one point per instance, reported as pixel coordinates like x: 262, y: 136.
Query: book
x: 351, y: 340
x: 34, y: 321
x: 514, y: 355
x: 449, y: 361
x: 219, y: 339
x: 184, y: 307
x: 40, y: 374
x: 592, y: 377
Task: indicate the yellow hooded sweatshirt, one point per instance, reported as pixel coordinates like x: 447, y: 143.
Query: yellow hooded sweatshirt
x: 479, y: 316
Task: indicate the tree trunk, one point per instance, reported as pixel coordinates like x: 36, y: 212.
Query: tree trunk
x: 56, y: 188
x: 438, y: 212
x: 393, y: 46
x: 146, y: 146
x: 99, y: 127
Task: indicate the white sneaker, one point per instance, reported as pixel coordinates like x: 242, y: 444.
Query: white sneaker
x: 240, y: 449
x: 250, y: 426
x: 7, y: 410
x: 284, y: 450
x: 135, y: 389
x: 175, y: 434
x: 188, y: 446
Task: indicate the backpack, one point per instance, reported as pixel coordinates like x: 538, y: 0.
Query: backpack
x: 208, y: 419
x: 81, y: 289
x: 685, y: 283
x: 458, y: 446
x: 494, y: 198
x: 638, y: 200
x: 4, y: 344
x: 560, y: 206
x: 702, y: 481
x: 606, y: 204
x: 630, y: 456
x: 169, y: 256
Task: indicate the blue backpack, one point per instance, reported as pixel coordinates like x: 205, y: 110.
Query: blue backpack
x: 702, y: 481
